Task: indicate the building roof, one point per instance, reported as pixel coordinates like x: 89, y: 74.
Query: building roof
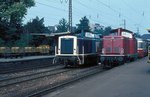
x: 51, y: 34
x: 146, y: 36
x: 148, y: 30
x: 116, y: 30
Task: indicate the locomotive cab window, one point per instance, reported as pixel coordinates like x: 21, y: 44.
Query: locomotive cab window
x: 67, y: 45
x: 140, y: 45
x: 126, y: 34
x: 114, y: 34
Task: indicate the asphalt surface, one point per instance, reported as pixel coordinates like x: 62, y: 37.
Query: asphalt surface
x: 128, y: 80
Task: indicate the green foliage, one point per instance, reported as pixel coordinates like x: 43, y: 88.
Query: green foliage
x: 24, y: 40
x: 39, y: 40
x: 99, y: 31
x: 107, y: 31
x: 62, y: 26
x: 103, y: 32
x: 36, y: 26
x: 11, y: 15
x: 84, y: 24
x: 1, y: 43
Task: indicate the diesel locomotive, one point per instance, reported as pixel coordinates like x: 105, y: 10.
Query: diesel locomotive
x: 80, y: 49
x: 86, y: 49
x: 118, y: 47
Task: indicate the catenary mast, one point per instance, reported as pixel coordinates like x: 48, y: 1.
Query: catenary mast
x: 70, y: 16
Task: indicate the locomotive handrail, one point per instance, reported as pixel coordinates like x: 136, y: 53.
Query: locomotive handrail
x: 83, y: 55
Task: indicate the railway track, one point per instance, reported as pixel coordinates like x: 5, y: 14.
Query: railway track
x: 24, y: 78
x: 75, y: 77
x: 42, y: 83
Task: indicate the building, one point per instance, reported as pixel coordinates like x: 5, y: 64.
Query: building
x: 96, y: 26
x: 52, y: 29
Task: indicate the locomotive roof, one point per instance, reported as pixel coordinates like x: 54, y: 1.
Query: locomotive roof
x: 115, y: 30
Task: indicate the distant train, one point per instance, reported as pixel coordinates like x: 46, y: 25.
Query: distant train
x: 10, y: 52
x: 118, y: 47
x: 77, y: 50
x: 148, y: 54
x: 142, y: 47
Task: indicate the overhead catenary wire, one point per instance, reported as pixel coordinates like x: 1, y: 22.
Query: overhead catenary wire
x: 92, y: 9
x: 60, y: 9
x: 95, y: 12
x: 55, y: 7
x: 120, y: 14
x: 140, y: 14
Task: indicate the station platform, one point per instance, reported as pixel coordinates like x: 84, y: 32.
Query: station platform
x: 25, y: 63
x: 25, y: 58
x: 129, y: 80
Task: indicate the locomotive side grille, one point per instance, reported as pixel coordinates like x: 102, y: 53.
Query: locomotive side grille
x: 116, y: 50
x: 108, y: 50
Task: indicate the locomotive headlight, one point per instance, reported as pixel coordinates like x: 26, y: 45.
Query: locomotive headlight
x: 74, y: 51
x: 58, y: 51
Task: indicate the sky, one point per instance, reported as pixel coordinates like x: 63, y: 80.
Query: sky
x: 112, y: 13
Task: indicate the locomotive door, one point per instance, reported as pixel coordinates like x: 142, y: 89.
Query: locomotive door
x: 116, y: 45
x: 108, y: 44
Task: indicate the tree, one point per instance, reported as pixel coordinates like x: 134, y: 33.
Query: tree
x: 11, y: 15
x: 2, y: 44
x: 107, y: 31
x: 36, y: 26
x: 62, y: 26
x: 84, y: 25
x: 25, y: 40
x: 103, y: 31
x: 99, y: 31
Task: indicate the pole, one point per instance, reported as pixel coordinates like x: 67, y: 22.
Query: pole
x: 138, y: 30
x: 70, y: 16
x: 124, y: 23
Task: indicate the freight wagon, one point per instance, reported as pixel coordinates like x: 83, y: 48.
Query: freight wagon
x: 14, y: 52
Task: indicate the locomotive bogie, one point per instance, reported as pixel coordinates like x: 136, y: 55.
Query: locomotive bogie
x: 112, y: 61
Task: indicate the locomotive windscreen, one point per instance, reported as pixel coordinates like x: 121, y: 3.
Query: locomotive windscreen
x: 140, y: 45
x: 67, y: 46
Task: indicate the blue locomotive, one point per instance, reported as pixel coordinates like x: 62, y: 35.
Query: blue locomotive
x: 79, y: 49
